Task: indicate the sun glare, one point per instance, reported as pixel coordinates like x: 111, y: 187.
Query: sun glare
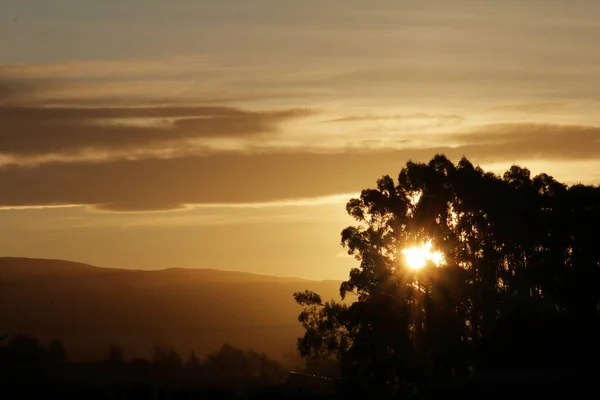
x: 417, y: 257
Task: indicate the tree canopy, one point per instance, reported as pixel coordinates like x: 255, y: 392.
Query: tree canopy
x: 518, y: 286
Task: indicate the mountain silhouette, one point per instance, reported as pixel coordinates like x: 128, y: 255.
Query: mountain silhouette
x: 89, y: 308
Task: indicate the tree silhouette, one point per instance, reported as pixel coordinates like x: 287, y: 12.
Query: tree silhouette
x: 115, y: 355
x: 192, y: 362
x: 519, y: 285
x: 30, y: 370
x: 26, y: 351
x: 57, y: 352
x: 167, y: 358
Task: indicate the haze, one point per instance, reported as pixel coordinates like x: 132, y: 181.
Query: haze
x: 230, y: 134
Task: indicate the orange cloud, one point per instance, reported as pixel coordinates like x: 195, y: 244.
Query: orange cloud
x: 37, y: 131
x: 106, y: 68
x: 448, y: 119
x: 532, y: 141
x: 536, y: 108
x: 275, y: 176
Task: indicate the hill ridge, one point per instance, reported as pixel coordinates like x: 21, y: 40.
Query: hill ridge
x: 6, y: 262
x: 90, y: 307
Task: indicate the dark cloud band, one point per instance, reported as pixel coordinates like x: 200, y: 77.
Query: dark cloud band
x: 40, y: 131
x: 152, y: 184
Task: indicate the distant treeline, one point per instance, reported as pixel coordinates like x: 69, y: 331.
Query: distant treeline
x: 30, y: 370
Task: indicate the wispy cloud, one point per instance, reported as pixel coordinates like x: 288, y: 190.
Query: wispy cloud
x: 536, y: 108
x: 445, y: 119
x: 117, y: 68
x: 534, y: 141
x: 26, y: 131
x: 40, y: 207
x: 190, y: 80
x: 276, y: 204
x: 298, y: 202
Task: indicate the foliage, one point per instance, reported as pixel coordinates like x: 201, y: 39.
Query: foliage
x: 30, y: 370
x: 520, y: 284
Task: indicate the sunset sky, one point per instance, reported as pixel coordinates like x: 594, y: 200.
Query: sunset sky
x: 229, y: 134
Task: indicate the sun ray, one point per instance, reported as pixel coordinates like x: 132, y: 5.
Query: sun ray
x: 417, y: 257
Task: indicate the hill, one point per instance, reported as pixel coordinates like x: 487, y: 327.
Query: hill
x: 89, y: 307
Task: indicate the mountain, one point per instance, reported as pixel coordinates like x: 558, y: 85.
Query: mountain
x: 88, y: 307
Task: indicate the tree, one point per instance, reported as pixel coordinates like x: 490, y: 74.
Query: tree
x: 115, y: 355
x: 518, y: 282
x: 231, y: 366
x: 192, y: 362
x: 167, y: 358
x: 57, y: 352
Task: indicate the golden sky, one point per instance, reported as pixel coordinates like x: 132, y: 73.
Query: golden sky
x: 229, y: 134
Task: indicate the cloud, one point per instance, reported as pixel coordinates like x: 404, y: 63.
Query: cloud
x: 243, y: 124
x: 37, y: 131
x: 148, y: 207
x: 447, y: 119
x: 142, y: 92
x: 239, y: 179
x: 298, y: 202
x: 94, y: 69
x: 42, y: 207
x: 221, y: 178
x: 11, y: 92
x: 536, y: 108
x: 532, y: 141
x: 194, y: 79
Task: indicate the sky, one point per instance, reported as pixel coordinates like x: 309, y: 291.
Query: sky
x: 230, y: 134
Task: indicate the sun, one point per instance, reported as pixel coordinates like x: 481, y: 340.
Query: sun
x: 417, y: 257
